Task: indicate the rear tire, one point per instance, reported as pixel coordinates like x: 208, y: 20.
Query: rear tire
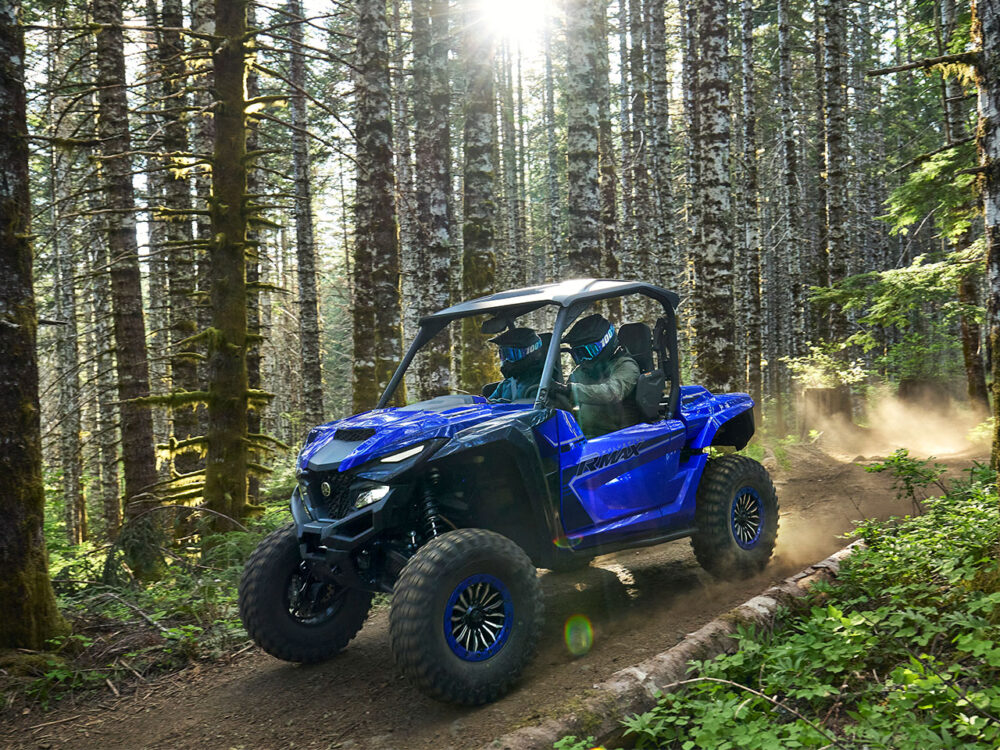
x: 736, y: 517
x: 289, y: 612
x: 465, y: 618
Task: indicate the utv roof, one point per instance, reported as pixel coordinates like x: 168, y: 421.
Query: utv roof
x: 564, y: 294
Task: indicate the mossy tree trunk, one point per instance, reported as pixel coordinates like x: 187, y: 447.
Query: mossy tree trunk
x: 29, y: 609
x: 478, y: 361
x: 228, y: 396
x: 138, y: 457
x: 180, y: 237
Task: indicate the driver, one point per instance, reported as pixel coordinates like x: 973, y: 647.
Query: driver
x: 604, y: 378
x: 522, y: 358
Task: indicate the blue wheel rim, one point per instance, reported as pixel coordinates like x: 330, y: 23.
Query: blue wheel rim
x: 478, y: 617
x: 746, y: 517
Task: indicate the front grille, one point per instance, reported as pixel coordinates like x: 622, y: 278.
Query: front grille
x: 354, y: 434
x: 338, y: 504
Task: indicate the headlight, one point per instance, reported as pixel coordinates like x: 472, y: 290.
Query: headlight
x: 371, y: 495
x: 395, y: 458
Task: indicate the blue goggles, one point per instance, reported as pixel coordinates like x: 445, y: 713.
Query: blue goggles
x: 517, y: 353
x: 586, y: 352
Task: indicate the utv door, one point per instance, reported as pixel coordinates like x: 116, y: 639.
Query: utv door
x: 619, y: 483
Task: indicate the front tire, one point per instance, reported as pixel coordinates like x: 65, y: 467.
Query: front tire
x: 288, y: 611
x: 736, y: 517
x: 465, y: 618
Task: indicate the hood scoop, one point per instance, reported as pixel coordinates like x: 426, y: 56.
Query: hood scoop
x: 354, y: 434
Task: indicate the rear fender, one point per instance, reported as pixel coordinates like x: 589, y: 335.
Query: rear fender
x: 733, y: 425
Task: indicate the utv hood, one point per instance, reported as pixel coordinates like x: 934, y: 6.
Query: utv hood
x: 350, y: 442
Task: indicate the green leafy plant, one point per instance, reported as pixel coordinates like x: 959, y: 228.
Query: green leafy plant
x: 911, y: 475
x: 900, y: 652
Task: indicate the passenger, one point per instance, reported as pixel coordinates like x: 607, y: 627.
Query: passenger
x: 603, y: 383
x: 522, y: 358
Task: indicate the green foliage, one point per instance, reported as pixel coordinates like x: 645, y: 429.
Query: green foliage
x: 825, y: 367
x: 910, y: 474
x: 937, y: 187
x: 901, y: 653
x: 920, y: 302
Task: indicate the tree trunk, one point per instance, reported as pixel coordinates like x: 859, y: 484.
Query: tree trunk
x: 431, y: 107
x: 138, y: 456
x: 583, y: 255
x: 986, y: 31
x: 410, y: 251
x: 478, y: 361
x: 228, y: 398
x: 628, y: 241
x: 305, y: 246
x: 512, y: 213
x: 752, y: 250
x: 29, y: 609
x: 667, y: 263
x: 253, y: 261
x: 610, y: 229
x: 688, y: 13
x: 641, y: 204
x: 554, y: 249
x: 835, y: 126
x: 714, y: 325
x: 179, y: 234
x: 377, y: 245
x: 157, y: 285
x: 791, y: 237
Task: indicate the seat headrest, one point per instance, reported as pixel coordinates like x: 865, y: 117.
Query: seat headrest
x: 638, y: 341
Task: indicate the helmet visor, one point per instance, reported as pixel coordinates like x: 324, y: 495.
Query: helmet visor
x: 517, y: 353
x: 586, y: 352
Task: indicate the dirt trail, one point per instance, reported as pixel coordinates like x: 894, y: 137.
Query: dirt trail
x: 640, y: 603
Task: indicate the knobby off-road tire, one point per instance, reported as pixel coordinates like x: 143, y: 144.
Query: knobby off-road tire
x: 478, y: 580
x: 736, y: 517
x: 290, y: 613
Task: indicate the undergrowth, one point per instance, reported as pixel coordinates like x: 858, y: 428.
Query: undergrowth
x: 125, y: 631
x: 902, y: 652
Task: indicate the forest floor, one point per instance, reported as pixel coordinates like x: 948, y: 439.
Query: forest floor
x: 639, y: 603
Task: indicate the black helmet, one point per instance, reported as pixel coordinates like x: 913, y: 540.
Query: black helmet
x: 592, y: 340
x: 520, y: 351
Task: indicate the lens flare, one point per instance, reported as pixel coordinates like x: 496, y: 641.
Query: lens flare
x: 578, y: 634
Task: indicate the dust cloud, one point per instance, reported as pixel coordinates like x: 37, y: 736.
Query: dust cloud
x: 927, y: 427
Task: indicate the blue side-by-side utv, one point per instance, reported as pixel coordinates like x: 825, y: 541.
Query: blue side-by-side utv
x: 452, y: 503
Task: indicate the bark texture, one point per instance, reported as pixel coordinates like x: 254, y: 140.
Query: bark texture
x: 986, y: 31
x: 179, y: 234
x: 752, y: 251
x: 129, y: 329
x: 432, y: 175
x: 377, y: 335
x: 478, y: 361
x: 835, y: 126
x: 228, y: 397
x: 305, y: 245
x: 583, y: 255
x: 29, y: 609
x: 713, y: 258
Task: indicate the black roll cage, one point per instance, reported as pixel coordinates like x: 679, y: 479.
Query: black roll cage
x: 572, y: 297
